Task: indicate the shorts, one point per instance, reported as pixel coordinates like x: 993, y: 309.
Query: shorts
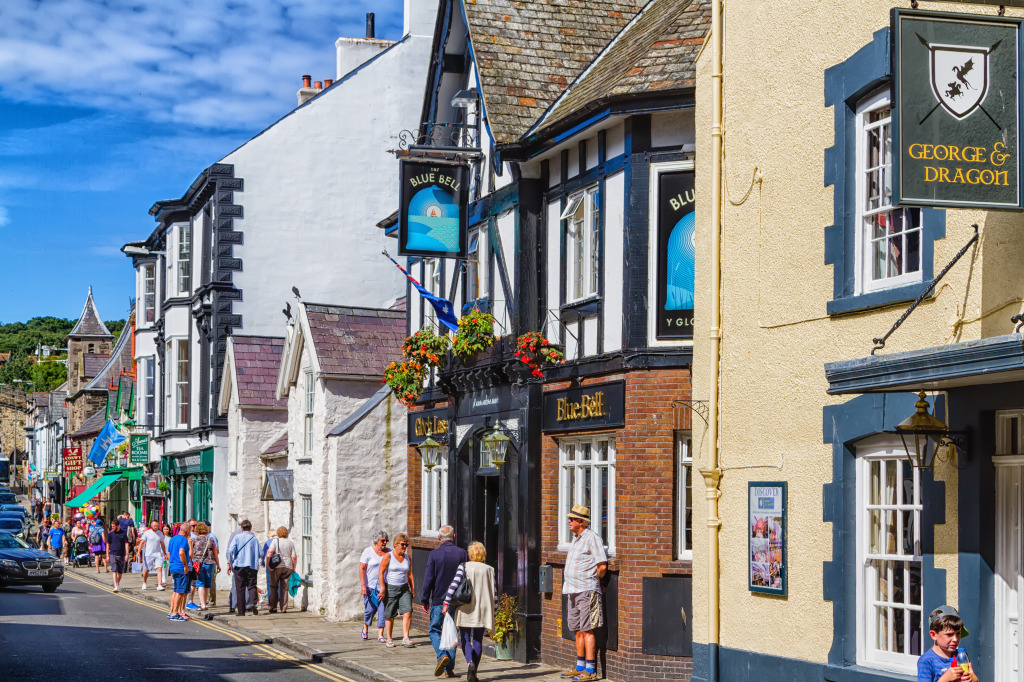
x: 152, y: 562
x: 399, y: 601
x: 585, y: 612
x: 205, y: 578
x: 181, y: 582
x: 117, y: 563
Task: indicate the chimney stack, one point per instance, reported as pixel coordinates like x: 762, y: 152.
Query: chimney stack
x: 369, y: 25
x: 328, y: 82
x: 308, y: 90
x: 307, y: 81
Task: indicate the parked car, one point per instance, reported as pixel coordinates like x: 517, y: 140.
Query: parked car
x: 8, y: 498
x: 14, y: 508
x: 22, y: 565
x: 14, y: 527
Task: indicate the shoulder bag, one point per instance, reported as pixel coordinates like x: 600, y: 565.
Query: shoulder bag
x: 463, y: 593
x: 197, y: 563
x: 275, y: 559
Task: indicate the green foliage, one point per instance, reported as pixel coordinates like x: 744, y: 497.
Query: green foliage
x: 18, y: 367
x: 505, y: 618
x: 427, y: 347
x: 50, y: 373
x: 115, y: 327
x: 21, y: 338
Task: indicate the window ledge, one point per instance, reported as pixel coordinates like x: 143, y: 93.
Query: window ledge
x: 232, y: 473
x: 876, y: 299
x: 583, y: 305
x: 304, y: 460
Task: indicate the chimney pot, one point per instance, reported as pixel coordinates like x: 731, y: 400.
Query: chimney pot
x: 328, y: 83
x: 369, y: 25
x: 306, y: 81
x: 318, y: 85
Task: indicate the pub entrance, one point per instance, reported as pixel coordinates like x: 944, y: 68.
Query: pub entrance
x: 487, y: 515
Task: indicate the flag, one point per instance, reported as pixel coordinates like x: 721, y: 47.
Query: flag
x: 105, y: 442
x: 445, y: 309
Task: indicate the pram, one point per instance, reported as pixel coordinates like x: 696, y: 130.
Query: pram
x: 80, y: 554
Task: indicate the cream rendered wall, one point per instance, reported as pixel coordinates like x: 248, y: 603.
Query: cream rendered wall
x: 776, y: 334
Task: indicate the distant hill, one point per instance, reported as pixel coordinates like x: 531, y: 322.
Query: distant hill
x: 20, y: 340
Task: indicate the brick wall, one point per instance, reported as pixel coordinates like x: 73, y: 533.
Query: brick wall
x: 645, y: 503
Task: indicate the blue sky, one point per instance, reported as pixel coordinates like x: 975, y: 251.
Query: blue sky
x: 108, y: 106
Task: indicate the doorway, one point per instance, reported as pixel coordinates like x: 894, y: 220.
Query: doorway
x: 488, y: 515
x: 1009, y: 573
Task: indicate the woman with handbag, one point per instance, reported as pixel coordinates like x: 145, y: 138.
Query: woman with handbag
x: 474, y: 616
x: 281, y: 561
x: 205, y: 562
x: 369, y: 574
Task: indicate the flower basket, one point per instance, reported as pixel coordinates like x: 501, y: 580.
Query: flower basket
x: 504, y: 630
x: 427, y: 348
x: 475, y: 335
x: 534, y: 351
x: 406, y: 380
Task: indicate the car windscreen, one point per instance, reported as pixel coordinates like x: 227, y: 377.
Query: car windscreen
x: 11, y: 542
x: 7, y: 525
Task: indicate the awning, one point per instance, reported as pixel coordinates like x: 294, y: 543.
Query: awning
x: 92, y: 491
x: 278, y: 485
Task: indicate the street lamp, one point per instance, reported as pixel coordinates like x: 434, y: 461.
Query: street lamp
x: 927, y: 438
x: 428, y: 450
x: 496, y: 445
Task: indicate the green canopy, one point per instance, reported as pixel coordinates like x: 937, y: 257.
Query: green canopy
x: 93, y: 490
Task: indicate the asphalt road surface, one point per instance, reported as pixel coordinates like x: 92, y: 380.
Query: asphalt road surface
x: 84, y: 632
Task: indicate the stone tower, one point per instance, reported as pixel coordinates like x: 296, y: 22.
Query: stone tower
x: 89, y: 345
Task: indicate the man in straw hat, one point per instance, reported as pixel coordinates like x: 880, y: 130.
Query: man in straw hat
x: 585, y: 566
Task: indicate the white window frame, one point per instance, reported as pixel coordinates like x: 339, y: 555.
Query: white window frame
x: 881, y: 452
x: 865, y: 280
x: 432, y: 283
x: 306, y: 517
x: 433, y: 498
x: 573, y: 472
x: 683, y: 443
x: 148, y: 293
x: 149, y: 392
x: 308, y: 401
x: 476, y: 265
x: 182, y: 379
x: 581, y: 222
x: 184, y: 260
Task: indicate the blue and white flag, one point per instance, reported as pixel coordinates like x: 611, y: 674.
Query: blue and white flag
x: 108, y: 439
x: 445, y: 309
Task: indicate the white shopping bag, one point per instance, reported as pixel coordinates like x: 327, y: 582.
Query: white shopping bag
x: 449, y: 633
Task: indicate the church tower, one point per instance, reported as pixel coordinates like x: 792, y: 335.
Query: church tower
x: 89, y: 345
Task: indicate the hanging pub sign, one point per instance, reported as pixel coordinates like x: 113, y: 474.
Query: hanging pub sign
x: 73, y: 461
x: 766, y: 546
x: 432, y: 201
x: 586, y: 407
x: 139, y: 449
x: 675, y: 250
x: 956, y: 112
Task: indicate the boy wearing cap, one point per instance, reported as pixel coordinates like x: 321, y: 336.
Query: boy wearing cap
x: 585, y: 566
x: 938, y: 664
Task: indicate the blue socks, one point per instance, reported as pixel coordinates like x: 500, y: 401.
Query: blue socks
x: 580, y: 663
x: 591, y: 665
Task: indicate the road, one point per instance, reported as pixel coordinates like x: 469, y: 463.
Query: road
x: 85, y: 632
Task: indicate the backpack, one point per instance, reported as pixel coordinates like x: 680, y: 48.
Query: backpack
x: 132, y: 537
x: 95, y: 535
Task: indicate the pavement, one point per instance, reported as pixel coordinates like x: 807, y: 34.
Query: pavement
x: 314, y: 638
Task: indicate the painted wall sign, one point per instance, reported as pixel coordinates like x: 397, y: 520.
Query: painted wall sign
x: 139, y: 449
x: 433, y: 200
x: 73, y: 461
x: 487, y: 401
x: 956, y: 112
x: 587, y: 407
x: 766, y: 546
x: 434, y: 422
x: 676, y: 247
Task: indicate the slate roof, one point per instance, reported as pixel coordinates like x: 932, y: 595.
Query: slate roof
x: 355, y: 341
x: 257, y: 363
x: 279, y: 445
x: 89, y: 322
x: 120, y: 359
x: 93, y: 364
x: 90, y: 426
x: 528, y: 51
x: 57, y: 408
x: 656, y: 52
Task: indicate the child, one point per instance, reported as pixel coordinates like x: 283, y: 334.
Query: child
x: 938, y: 664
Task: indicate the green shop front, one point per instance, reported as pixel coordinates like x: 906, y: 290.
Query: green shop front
x: 117, y: 489
x: 190, y: 475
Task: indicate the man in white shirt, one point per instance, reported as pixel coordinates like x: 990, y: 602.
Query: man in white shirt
x: 153, y: 548
x: 585, y: 566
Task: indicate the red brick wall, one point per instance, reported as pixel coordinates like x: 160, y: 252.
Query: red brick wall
x: 644, y: 518
x: 420, y: 545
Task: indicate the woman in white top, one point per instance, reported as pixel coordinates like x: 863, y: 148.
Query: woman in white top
x: 369, y: 569
x: 397, y: 584
x: 278, y: 587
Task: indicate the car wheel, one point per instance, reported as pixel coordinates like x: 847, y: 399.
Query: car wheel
x: 51, y: 587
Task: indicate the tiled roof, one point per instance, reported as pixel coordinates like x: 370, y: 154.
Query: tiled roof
x: 355, y: 341
x: 4, y: 357
x: 257, y: 363
x: 528, y: 51
x: 120, y: 359
x: 93, y: 364
x: 41, y: 399
x: 279, y: 445
x: 89, y: 322
x: 90, y: 426
x: 656, y: 52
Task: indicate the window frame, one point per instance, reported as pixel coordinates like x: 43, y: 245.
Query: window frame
x: 583, y: 233
x: 682, y: 443
x: 184, y: 259
x: 580, y: 468
x: 864, y: 260
x: 309, y: 401
x: 149, y: 392
x: 148, y: 293
x: 433, y: 488
x: 181, y: 379
x: 868, y: 655
x: 306, y: 527
x: 477, y: 287
x: 433, y: 281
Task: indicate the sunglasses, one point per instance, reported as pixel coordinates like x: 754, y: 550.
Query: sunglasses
x: 403, y: 544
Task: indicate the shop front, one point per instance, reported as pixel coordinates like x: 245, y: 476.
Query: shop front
x: 190, y: 475
x: 154, y: 501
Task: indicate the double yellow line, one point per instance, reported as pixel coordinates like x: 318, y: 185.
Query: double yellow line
x: 317, y: 668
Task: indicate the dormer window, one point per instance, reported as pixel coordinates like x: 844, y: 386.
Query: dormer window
x: 581, y: 218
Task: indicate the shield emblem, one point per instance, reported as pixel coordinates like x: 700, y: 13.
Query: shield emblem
x: 959, y: 77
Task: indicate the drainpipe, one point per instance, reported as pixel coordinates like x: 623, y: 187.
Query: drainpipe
x: 713, y: 474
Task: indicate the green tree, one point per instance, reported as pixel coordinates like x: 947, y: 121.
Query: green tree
x: 50, y: 373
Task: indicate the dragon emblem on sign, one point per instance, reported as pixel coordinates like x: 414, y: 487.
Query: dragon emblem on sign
x: 959, y: 77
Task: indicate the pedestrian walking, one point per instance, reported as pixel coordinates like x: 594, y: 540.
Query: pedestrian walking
x: 98, y: 544
x: 442, y: 563
x: 477, y: 615
x: 178, y: 563
x: 211, y: 596
x: 205, y: 552
x: 55, y: 540
x: 152, y: 550
x: 396, y: 585
x: 192, y: 524
x: 585, y: 566
x: 369, y: 578
x: 243, y: 560
x: 281, y: 569
x: 117, y: 551
x: 43, y: 534
x: 263, y: 556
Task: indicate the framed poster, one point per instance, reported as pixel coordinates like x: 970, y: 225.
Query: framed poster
x: 956, y: 111
x: 766, y: 545
x: 675, y: 255
x: 139, y: 451
x: 432, y: 203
